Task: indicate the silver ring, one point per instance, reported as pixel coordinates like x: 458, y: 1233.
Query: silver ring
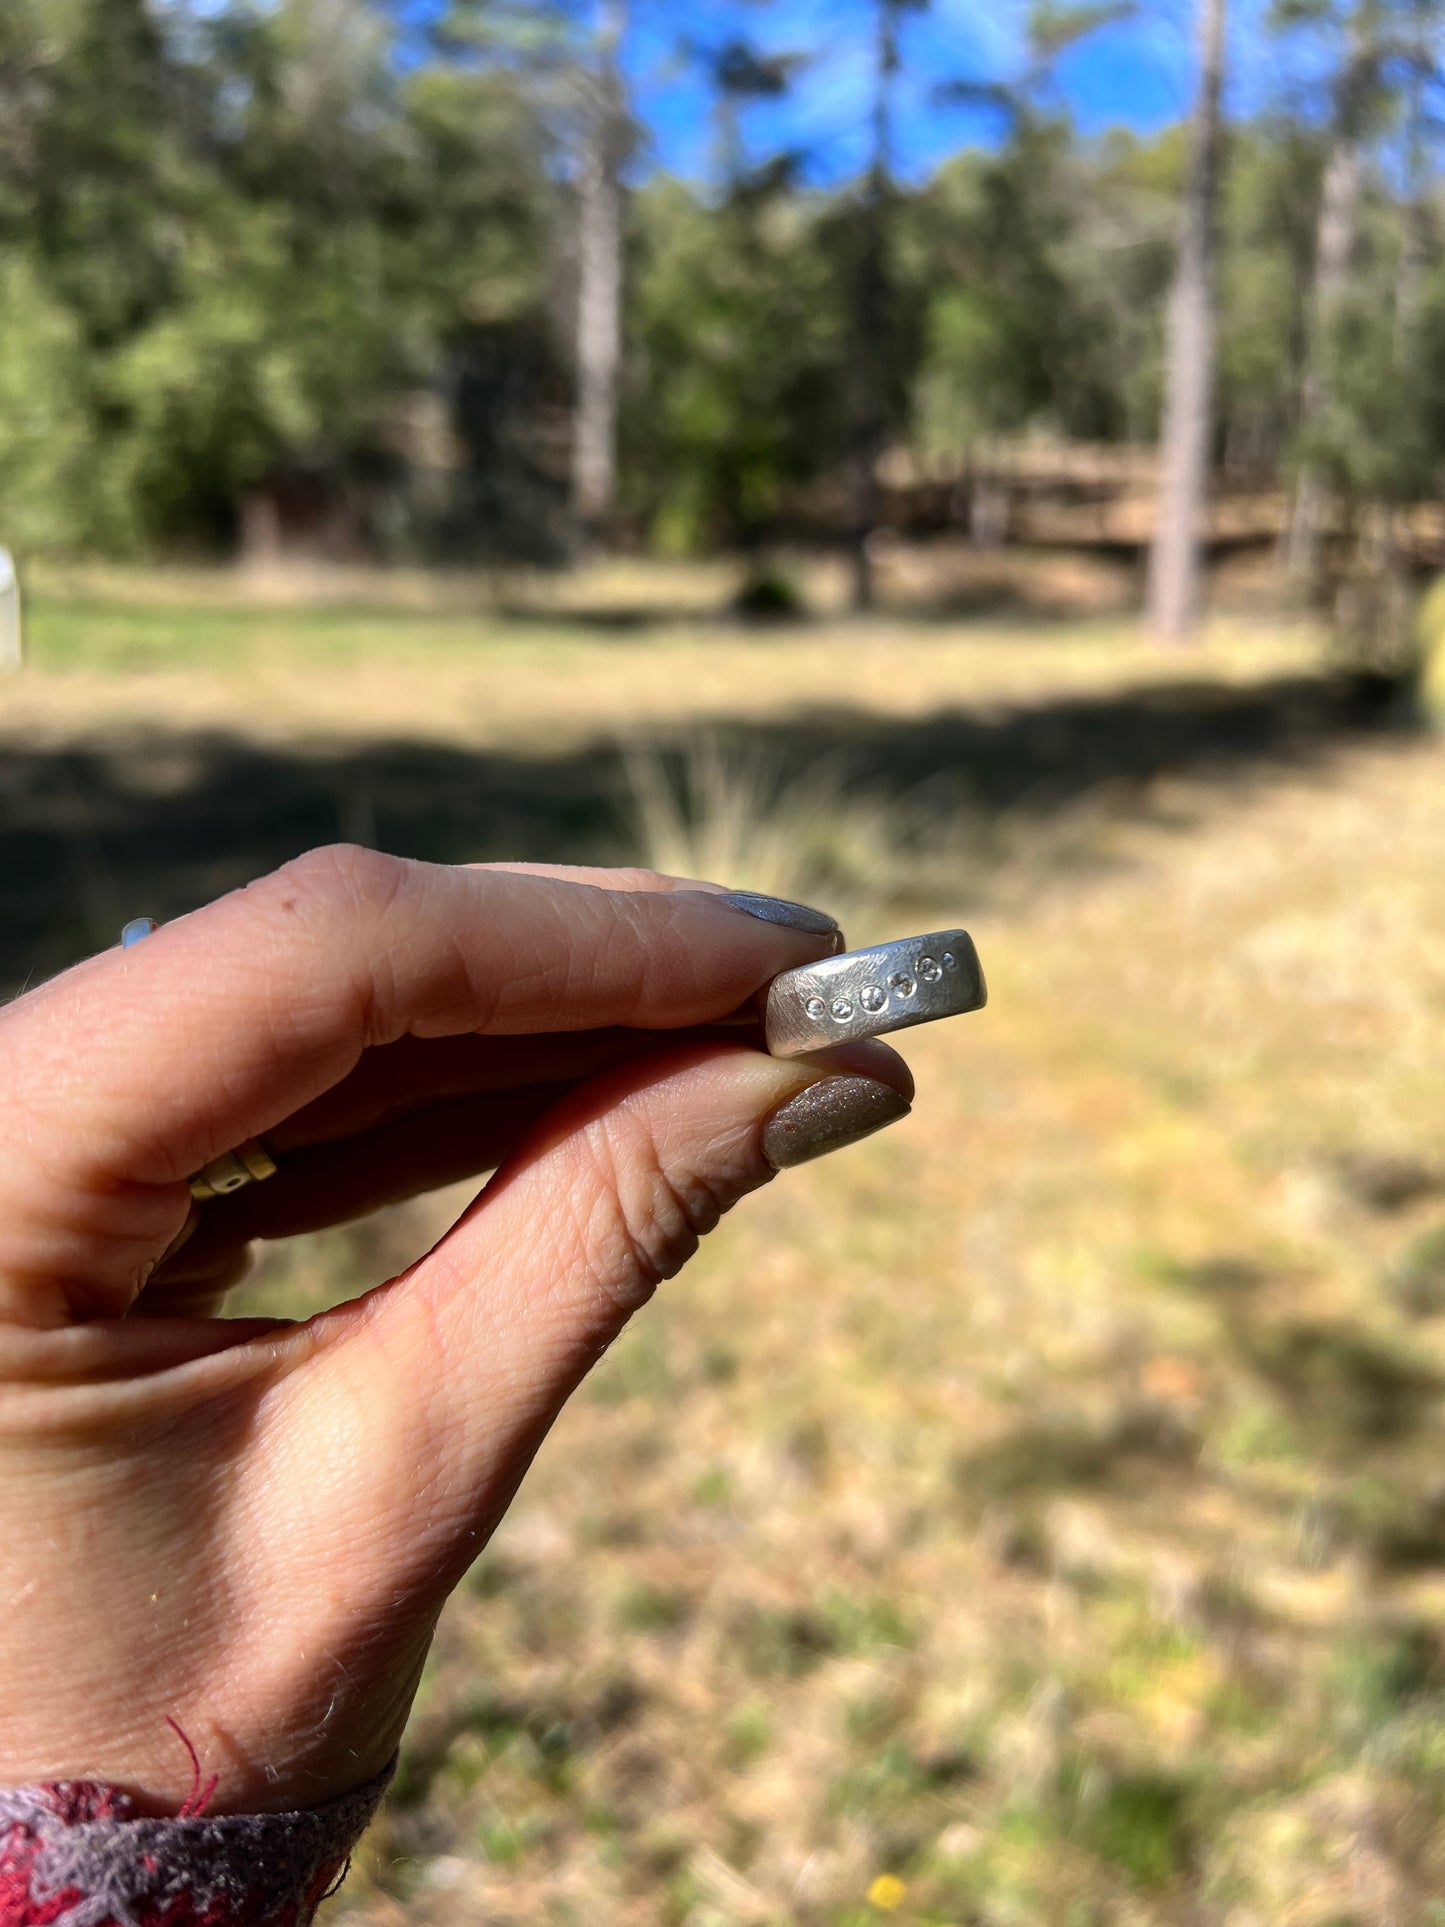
x: 868, y: 993
x: 250, y: 1162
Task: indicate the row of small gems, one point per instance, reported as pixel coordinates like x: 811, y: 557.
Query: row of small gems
x: 873, y: 998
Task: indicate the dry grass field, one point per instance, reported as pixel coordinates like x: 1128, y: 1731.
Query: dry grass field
x: 1035, y: 1515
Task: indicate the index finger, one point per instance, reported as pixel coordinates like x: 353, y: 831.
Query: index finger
x: 140, y: 1066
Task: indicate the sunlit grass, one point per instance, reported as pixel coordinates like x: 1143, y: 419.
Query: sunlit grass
x: 66, y: 635
x: 1036, y: 1514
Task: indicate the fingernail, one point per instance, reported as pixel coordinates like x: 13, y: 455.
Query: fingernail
x: 796, y: 916
x: 828, y: 1117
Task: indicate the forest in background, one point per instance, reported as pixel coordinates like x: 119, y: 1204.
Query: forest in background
x: 315, y: 277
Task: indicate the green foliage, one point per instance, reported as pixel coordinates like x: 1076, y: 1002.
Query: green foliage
x: 46, y: 496
x: 650, y: 1609
x: 741, y: 355
x: 237, y: 246
x: 266, y: 278
x: 749, y: 1736
x: 1034, y: 326
x: 1270, y: 205
x: 1376, y: 1677
x: 769, y: 595
x: 1416, y: 1280
x: 1053, y: 29
x: 1137, y: 1822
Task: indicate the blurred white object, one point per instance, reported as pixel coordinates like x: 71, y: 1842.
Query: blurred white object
x: 9, y: 612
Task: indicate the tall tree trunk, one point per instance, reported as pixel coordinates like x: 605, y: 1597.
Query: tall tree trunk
x: 1334, y: 244
x: 1184, y: 447
x: 1410, y: 273
x: 1339, y: 202
x: 1415, y: 237
x: 599, y: 282
x: 870, y: 322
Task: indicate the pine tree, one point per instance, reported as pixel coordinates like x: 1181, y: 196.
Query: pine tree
x: 1184, y: 449
x: 873, y: 411
x: 600, y: 276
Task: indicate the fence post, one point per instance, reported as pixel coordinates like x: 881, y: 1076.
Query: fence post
x: 9, y: 613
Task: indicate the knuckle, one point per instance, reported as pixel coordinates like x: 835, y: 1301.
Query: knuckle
x: 335, y: 902
x: 340, y: 876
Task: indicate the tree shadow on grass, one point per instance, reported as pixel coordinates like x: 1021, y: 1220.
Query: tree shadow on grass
x: 153, y: 821
x: 1074, y: 1452
x: 1336, y: 1376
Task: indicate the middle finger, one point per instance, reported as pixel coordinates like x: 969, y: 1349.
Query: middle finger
x: 398, y: 1078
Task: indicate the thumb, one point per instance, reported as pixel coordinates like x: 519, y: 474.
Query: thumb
x: 445, y: 1382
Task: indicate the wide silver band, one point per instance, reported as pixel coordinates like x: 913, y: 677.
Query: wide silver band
x: 868, y: 993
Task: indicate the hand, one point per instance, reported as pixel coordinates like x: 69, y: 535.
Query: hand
x: 247, y: 1526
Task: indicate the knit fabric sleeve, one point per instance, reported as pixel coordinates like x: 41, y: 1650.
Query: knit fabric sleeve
x: 75, y: 1854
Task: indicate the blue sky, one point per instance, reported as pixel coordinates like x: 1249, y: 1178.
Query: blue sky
x: 1136, y: 73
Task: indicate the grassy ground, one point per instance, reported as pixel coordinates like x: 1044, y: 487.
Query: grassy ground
x: 1034, y: 1516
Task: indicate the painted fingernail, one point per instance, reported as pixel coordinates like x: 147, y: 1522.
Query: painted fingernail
x: 796, y: 916
x: 828, y: 1117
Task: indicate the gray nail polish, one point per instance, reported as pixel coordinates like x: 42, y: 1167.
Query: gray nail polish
x: 796, y: 916
x: 828, y: 1117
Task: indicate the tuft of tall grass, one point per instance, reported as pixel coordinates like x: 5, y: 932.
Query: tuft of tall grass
x: 735, y: 813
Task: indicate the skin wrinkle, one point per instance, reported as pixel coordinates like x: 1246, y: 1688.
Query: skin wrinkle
x: 90, y: 1140
x: 478, y: 1003
x: 597, y: 1241
x: 666, y: 964
x: 684, y: 983
x: 472, y: 1004
x: 505, y: 977
x: 525, y: 1329
x: 706, y: 1204
x: 329, y: 1059
x: 536, y: 981
x: 115, y: 1222
x: 651, y: 1214
x: 626, y: 1267
x: 47, y: 1401
x: 668, y: 1209
x: 565, y: 971
x: 653, y: 1222
x: 427, y: 1307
